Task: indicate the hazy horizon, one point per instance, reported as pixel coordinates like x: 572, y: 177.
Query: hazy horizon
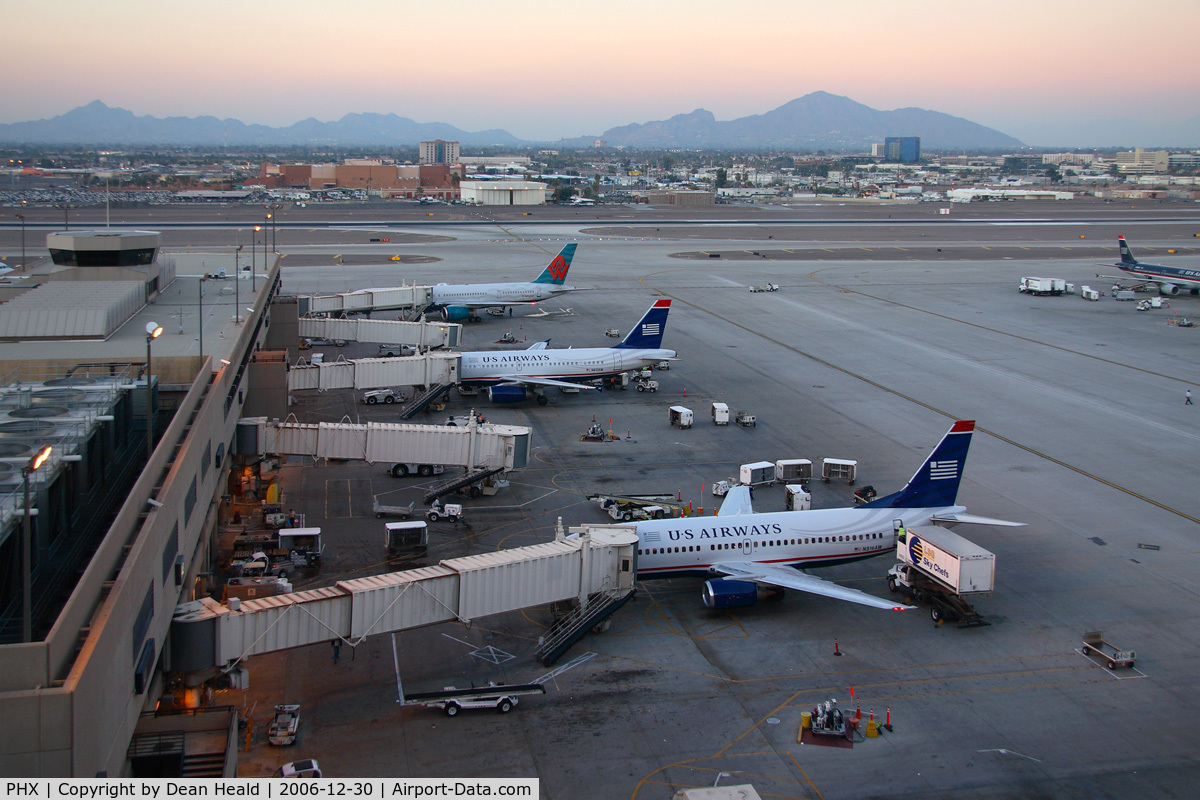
x: 1064, y: 73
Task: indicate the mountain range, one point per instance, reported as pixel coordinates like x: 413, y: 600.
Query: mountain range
x: 816, y: 121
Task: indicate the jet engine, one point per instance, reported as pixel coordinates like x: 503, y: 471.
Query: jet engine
x: 455, y: 313
x: 729, y: 593
x: 507, y: 394
x: 1168, y: 289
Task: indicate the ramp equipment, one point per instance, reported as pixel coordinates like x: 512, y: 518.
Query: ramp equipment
x: 568, y: 630
x: 426, y: 399
x: 461, y: 482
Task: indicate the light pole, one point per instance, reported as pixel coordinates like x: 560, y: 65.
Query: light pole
x: 27, y: 548
x: 22, y: 218
x: 253, y: 239
x: 153, y: 331
x: 237, y: 271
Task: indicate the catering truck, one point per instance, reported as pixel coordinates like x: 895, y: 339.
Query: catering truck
x: 940, y: 567
x: 1042, y: 286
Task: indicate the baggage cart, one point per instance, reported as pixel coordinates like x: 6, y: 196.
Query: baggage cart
x: 839, y: 469
x: 1095, y: 644
x: 746, y: 419
x: 793, y: 470
x: 392, y: 510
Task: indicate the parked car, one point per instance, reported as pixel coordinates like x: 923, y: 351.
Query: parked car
x: 323, y: 343
x: 393, y: 350
x: 304, y: 768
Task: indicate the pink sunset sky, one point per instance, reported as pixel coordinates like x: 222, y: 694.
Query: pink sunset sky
x: 1044, y: 72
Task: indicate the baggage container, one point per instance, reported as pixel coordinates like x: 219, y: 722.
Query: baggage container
x: 793, y: 470
x: 757, y: 473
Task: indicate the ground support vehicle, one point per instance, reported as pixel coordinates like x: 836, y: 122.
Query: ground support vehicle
x: 393, y: 350
x: 391, y: 510
x: 1094, y: 643
x: 757, y: 473
x: 628, y: 512
x: 388, y: 396
x: 746, y: 419
x: 284, y: 725
x: 1042, y: 286
x: 612, y: 333
x: 797, y: 497
x: 940, y: 567
x: 720, y: 413
x: 304, y: 768
x: 663, y: 365
x: 502, y: 698
x: 647, y: 385
x: 664, y: 505
x: 406, y: 538
x: 451, y: 511
x: 840, y: 468
x: 766, y: 287
x: 681, y: 417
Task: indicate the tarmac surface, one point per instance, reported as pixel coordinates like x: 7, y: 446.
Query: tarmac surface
x: 870, y: 354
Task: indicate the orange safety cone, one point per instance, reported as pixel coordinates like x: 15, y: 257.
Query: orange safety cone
x: 836, y: 651
x: 887, y: 725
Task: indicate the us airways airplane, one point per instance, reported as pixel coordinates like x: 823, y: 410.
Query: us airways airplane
x: 512, y: 375
x: 740, y: 551
x: 458, y: 302
x: 1171, y: 280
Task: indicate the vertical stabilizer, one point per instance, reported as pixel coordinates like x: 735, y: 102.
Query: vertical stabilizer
x: 935, y: 484
x: 556, y: 271
x: 648, y: 333
x: 1126, y: 256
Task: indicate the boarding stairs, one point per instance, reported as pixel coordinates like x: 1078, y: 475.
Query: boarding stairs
x: 568, y: 630
x: 426, y: 399
x: 460, y: 482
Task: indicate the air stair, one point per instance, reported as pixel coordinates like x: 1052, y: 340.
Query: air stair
x: 568, y: 630
x: 425, y: 400
x: 460, y: 482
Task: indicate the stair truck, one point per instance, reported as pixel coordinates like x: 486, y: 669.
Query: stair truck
x: 941, y: 568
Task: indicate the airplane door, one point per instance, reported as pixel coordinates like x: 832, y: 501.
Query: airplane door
x: 747, y: 547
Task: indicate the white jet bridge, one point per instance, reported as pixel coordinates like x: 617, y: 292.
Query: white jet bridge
x: 596, y: 569
x: 475, y: 446
x: 421, y: 335
x: 426, y: 369
x: 367, y: 300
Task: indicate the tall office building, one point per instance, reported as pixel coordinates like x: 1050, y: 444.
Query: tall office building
x: 903, y: 149
x: 439, y: 152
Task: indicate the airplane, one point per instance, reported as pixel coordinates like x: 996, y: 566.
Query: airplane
x: 545, y: 312
x: 511, y: 376
x: 1171, y: 280
x: 582, y: 201
x: 459, y: 301
x: 739, y: 551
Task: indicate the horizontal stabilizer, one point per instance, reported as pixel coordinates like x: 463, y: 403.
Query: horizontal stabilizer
x: 952, y: 519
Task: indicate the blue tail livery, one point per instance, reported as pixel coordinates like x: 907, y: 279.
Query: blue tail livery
x: 936, y: 482
x: 648, y: 333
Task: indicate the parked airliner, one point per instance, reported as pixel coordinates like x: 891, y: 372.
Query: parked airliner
x: 1171, y: 280
x: 744, y: 550
x: 512, y: 375
x: 458, y: 302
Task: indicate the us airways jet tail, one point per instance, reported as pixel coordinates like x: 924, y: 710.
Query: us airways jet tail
x: 935, y: 484
x: 1126, y: 256
x: 556, y: 271
x: 648, y: 333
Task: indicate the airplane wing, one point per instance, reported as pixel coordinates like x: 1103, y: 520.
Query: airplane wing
x: 517, y: 380
x: 538, y: 345
x: 789, y: 578
x: 953, y: 519
x: 737, y: 501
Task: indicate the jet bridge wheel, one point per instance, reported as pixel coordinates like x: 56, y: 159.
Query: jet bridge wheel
x: 399, y: 471
x: 425, y: 470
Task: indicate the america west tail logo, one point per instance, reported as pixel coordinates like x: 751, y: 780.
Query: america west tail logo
x: 556, y: 271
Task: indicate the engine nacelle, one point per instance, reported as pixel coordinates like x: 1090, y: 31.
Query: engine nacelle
x: 455, y: 313
x: 729, y: 593
x: 507, y: 394
x: 1169, y: 289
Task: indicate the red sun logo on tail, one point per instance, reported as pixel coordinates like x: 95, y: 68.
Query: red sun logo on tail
x: 558, y: 268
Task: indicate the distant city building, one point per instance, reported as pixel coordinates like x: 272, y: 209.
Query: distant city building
x: 902, y: 149
x: 1142, y: 162
x: 1188, y: 160
x: 503, y: 193
x: 878, y: 150
x: 1084, y: 159
x: 439, y: 152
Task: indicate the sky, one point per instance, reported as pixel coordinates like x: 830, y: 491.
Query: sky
x: 1049, y: 72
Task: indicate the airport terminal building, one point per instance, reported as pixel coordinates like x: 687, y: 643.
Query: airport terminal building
x: 107, y: 371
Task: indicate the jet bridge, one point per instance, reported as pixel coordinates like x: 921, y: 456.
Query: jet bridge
x: 422, y: 335
x: 503, y: 447
x: 427, y: 369
x: 206, y: 634
x: 367, y: 300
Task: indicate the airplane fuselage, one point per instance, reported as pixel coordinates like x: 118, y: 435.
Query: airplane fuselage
x: 822, y: 537
x: 497, y: 366
x: 1174, y: 276
x: 481, y: 295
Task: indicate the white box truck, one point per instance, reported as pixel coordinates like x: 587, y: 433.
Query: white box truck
x: 757, y: 473
x: 939, y: 566
x: 720, y: 413
x: 798, y: 497
x: 1042, y: 286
